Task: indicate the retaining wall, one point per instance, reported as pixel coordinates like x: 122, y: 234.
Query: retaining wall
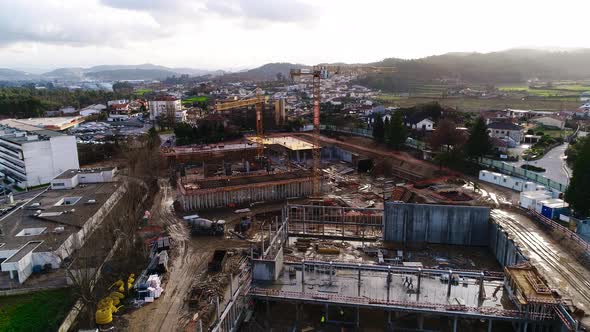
x: 504, y: 248
x: 440, y: 224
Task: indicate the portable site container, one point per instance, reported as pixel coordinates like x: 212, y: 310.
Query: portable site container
x: 529, y: 199
x: 552, y: 208
x: 485, y: 175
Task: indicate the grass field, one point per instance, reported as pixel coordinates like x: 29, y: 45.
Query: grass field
x: 43, y: 311
x: 477, y: 104
x: 195, y: 99
x: 143, y: 91
x: 556, y: 90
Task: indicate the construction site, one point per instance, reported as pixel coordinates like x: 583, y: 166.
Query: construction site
x: 305, y: 232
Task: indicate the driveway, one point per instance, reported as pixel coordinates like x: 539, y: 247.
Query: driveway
x: 554, y: 164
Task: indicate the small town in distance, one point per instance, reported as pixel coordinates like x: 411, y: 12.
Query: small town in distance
x: 443, y: 192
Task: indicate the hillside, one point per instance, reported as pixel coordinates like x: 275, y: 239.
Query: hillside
x: 518, y: 65
x: 130, y: 74
x: 16, y: 75
x: 267, y: 72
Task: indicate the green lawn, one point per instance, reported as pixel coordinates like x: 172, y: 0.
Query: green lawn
x: 195, y: 99
x: 42, y: 311
x: 556, y: 90
x: 574, y: 87
x: 143, y: 91
x: 477, y: 104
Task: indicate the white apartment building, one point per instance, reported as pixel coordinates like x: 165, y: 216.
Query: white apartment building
x: 31, y: 156
x: 163, y: 105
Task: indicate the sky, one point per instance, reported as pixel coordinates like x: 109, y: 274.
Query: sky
x: 238, y: 34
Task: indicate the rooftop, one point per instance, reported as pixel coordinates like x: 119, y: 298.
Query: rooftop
x: 71, y: 172
x: 49, y: 217
x: 504, y: 125
x: 35, y: 124
x: 288, y: 142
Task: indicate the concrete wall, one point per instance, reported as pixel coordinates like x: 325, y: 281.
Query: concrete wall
x: 441, y: 224
x: 336, y: 153
x: 244, y: 195
x: 44, y: 160
x: 504, y: 248
x: 267, y: 270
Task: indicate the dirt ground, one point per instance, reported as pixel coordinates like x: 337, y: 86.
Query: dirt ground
x: 189, y: 261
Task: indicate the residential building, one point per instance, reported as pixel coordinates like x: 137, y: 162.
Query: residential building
x: 550, y: 121
x: 425, y: 124
x: 163, y: 105
x: 92, y: 109
x: 503, y: 129
x: 50, y: 227
x: 31, y: 156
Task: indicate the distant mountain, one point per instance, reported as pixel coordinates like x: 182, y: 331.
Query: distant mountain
x: 65, y: 74
x: 123, y: 72
x: 267, y: 72
x: 510, y: 66
x: 16, y: 75
x: 130, y: 74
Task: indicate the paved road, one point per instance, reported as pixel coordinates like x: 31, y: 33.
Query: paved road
x: 554, y: 164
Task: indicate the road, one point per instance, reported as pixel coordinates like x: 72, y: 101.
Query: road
x: 554, y: 164
x: 551, y: 256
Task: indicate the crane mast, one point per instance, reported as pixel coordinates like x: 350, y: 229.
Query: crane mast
x: 317, y: 73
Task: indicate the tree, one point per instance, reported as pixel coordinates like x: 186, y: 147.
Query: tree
x: 397, y: 132
x: 445, y: 135
x: 378, y: 128
x: 153, y: 139
x: 478, y: 143
x: 578, y: 191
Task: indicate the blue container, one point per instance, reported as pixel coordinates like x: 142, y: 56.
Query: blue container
x: 37, y: 268
x: 547, y: 212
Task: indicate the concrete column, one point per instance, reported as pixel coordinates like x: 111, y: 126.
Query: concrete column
x: 490, y: 325
x: 327, y: 311
x: 481, y: 288
x: 358, y: 317
x: 303, y: 272
x: 450, y: 282
x: 420, y: 322
x: 231, y: 287
x: 419, y: 280
x: 455, y: 324
x: 359, y: 278
x: 217, y: 313
x: 330, y: 273
x: 389, y: 278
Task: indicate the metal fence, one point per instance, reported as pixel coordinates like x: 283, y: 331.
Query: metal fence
x: 497, y: 165
x: 505, y: 168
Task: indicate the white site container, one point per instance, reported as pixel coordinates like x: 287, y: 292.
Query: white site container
x: 529, y: 199
x: 529, y: 186
x: 496, y: 178
x: 517, y: 184
x: 484, y: 175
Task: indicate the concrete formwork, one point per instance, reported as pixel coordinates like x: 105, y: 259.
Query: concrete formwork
x: 441, y: 224
x: 243, y: 194
x: 503, y: 247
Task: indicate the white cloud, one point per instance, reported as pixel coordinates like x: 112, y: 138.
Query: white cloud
x: 238, y: 33
x: 73, y: 23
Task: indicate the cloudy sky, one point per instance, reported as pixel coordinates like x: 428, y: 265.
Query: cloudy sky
x: 235, y: 34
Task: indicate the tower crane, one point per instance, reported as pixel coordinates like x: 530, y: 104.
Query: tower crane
x: 321, y: 72
x: 259, y: 100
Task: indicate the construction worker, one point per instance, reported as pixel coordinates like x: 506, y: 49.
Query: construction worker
x: 323, y: 319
